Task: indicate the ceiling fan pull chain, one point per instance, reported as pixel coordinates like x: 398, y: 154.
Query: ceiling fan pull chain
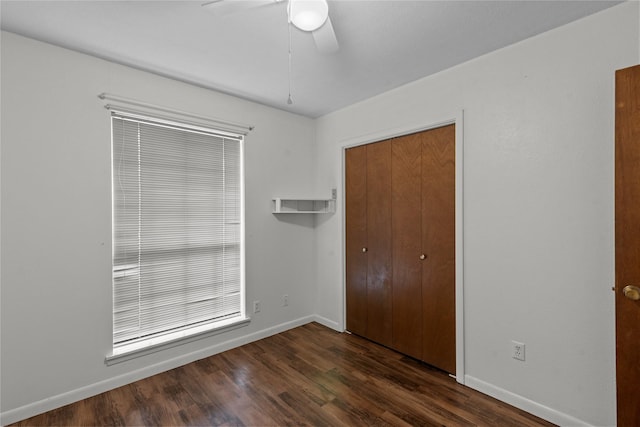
x: 289, y: 100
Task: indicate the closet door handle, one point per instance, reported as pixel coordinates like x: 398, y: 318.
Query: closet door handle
x: 364, y: 249
x: 631, y: 292
x: 423, y: 256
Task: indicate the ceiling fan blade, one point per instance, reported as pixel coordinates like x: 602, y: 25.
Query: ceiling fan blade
x: 228, y: 7
x: 325, y: 38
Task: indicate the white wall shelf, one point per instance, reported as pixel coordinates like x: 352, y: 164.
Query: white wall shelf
x: 290, y: 205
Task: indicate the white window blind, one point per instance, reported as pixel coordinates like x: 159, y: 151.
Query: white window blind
x: 177, y: 211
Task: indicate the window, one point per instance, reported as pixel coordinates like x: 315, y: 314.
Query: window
x: 177, y: 230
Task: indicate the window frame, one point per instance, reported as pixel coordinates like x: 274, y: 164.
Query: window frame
x: 180, y: 335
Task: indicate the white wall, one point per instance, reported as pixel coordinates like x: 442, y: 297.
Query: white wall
x: 538, y: 215
x: 538, y: 208
x: 56, y: 222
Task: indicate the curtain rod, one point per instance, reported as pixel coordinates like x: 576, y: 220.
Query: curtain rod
x: 110, y: 97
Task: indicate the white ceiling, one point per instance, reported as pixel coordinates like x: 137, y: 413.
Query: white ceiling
x: 383, y: 44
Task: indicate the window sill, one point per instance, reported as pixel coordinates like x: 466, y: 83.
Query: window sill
x: 153, y: 345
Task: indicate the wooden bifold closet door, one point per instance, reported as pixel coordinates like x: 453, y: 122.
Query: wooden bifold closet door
x: 368, y: 243
x: 627, y: 249
x: 400, y: 244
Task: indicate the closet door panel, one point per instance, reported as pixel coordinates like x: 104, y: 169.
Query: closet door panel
x: 438, y: 233
x: 379, y: 273
x: 407, y: 230
x: 356, y: 239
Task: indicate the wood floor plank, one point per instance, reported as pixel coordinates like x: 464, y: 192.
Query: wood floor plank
x: 307, y: 376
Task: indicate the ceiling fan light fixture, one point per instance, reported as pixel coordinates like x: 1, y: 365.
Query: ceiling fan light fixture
x: 308, y: 15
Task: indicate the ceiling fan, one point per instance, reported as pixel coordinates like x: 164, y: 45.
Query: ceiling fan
x: 307, y: 15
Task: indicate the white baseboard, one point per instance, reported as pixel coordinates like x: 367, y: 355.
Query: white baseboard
x: 525, y: 404
x: 36, y: 408
x: 328, y: 323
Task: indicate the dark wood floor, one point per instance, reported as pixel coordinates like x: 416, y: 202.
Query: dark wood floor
x: 309, y: 375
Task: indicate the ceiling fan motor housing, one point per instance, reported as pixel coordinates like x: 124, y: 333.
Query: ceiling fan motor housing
x: 308, y: 15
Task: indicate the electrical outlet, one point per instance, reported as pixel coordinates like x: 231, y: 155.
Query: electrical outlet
x: 517, y: 350
x: 285, y: 300
x: 256, y: 306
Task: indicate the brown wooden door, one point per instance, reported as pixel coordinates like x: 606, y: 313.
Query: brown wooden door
x: 356, y: 239
x: 379, y: 272
x: 400, y: 244
x: 406, y: 187
x: 627, y: 235
x: 438, y: 245
x: 423, y: 225
x: 368, y: 241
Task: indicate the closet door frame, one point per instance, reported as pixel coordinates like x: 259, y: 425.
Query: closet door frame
x: 456, y: 118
